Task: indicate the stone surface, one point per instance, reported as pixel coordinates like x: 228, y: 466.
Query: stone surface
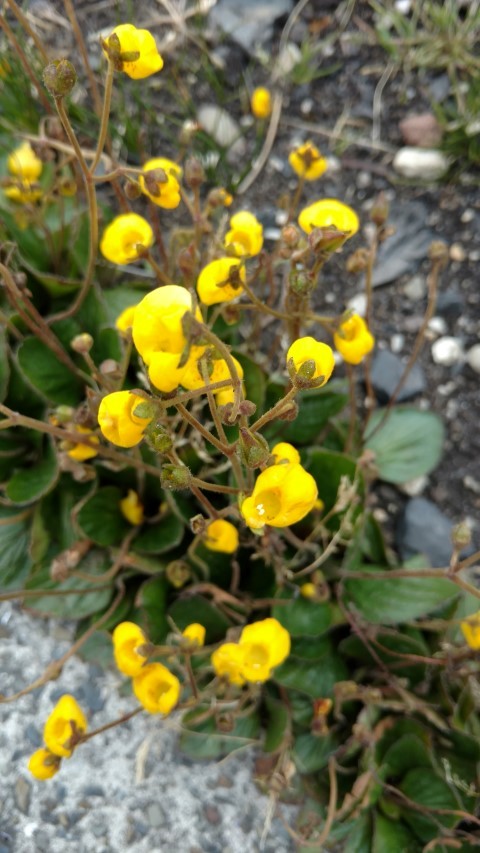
x: 249, y: 23
x: 473, y: 357
x: 423, y: 529
x: 409, y: 245
x: 103, y: 799
x: 223, y: 129
x: 416, y: 288
x: 450, y: 304
x: 421, y: 130
x: 422, y: 163
x: 447, y: 351
x: 386, y: 371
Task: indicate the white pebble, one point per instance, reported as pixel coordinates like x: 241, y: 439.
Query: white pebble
x: 473, y: 357
x: 447, y: 351
x: 427, y: 164
x: 397, y: 342
x: 414, y: 487
x: 437, y: 325
x: 358, y: 303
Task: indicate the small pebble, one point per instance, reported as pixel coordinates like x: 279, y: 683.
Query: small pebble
x: 397, y: 342
x: 473, y: 357
x: 414, y: 487
x: 424, y: 163
x: 416, y: 288
x: 468, y: 215
x: 457, y: 252
x: 306, y: 106
x: 358, y: 303
x: 437, y: 325
x: 447, y: 351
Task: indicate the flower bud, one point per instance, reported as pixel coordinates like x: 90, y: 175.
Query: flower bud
x: 159, y: 439
x: 198, y: 524
x: 247, y: 408
x: 290, y: 236
x: 194, y: 173
x: 132, y: 190
x: 59, y: 77
x: 461, y: 536
x: 82, y: 343
x: 289, y: 412
x: 301, y: 283
x: 358, y: 261
x: 380, y: 210
x: 326, y: 240
x: 175, y: 476
x: 178, y: 572
x: 253, y: 448
x: 438, y: 251
x: 62, y: 415
x: 152, y: 178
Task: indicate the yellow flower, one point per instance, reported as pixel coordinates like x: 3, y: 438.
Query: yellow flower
x: 308, y: 590
x: 129, y: 40
x: 63, y: 726
x: 157, y: 689
x: 124, y: 321
x: 282, y: 495
x: 82, y: 452
x: 159, y: 335
x: 118, y: 421
x: 131, y: 508
x: 221, y: 536
x: 24, y: 165
x: 264, y: 645
x: 218, y: 371
x: 220, y: 281
x: 127, y: 638
x: 329, y: 213
x: 284, y: 452
x: 261, y: 102
x: 353, y: 340
x: 471, y: 630
x: 227, y: 662
x: 312, y: 360
x: 245, y: 237
x: 194, y: 634
x: 307, y: 162
x: 43, y: 764
x: 164, y: 193
x: 121, y: 239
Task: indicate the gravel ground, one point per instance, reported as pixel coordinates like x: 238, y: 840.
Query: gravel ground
x: 127, y: 789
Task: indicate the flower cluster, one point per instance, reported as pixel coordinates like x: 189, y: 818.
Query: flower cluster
x: 262, y: 646
x: 156, y: 688
x: 63, y: 731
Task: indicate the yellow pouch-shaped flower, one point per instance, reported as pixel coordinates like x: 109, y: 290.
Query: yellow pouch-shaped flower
x: 121, y: 239
x: 284, y: 452
x: 118, y: 421
x: 227, y: 663
x: 471, y: 631
x: 157, y: 323
x: 131, y: 508
x: 23, y: 163
x: 194, y: 634
x: 66, y: 721
x: 133, y: 41
x: 353, y: 339
x: 127, y: 638
x: 220, y: 281
x: 261, y: 102
x: 307, y: 162
x: 283, y: 495
x: 245, y: 237
x: 166, y: 193
x: 82, y: 452
x: 157, y: 689
x: 264, y: 645
x: 43, y: 764
x: 326, y: 213
x: 312, y: 359
x: 222, y: 536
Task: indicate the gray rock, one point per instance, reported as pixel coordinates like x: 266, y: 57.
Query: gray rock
x: 249, y: 23
x: 223, y: 129
x: 33, y: 735
x: 404, y: 250
x: 423, y: 529
x: 155, y: 815
x: 450, y: 304
x: 22, y: 793
x: 385, y: 374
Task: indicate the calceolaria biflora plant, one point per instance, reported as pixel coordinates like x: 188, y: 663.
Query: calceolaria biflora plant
x: 187, y: 463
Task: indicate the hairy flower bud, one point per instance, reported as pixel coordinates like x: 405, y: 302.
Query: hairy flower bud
x: 175, y: 476
x: 59, y: 78
x: 253, y: 448
x: 194, y: 173
x: 82, y: 343
x: 178, y: 572
x: 380, y: 210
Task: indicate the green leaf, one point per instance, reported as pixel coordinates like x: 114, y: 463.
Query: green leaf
x: 390, y: 601
x: 408, y: 445
x: 89, y: 597
x: 160, y: 537
x: 29, y: 484
x: 204, y: 741
x: 254, y: 379
x: 48, y: 375
x: 425, y: 788
x: 15, y: 560
x: 98, y: 649
x: 315, y: 678
x: 151, y: 601
x: 311, y: 753
x: 316, y: 408
x: 408, y: 751
x: 278, y: 724
x: 184, y: 611
x: 328, y: 468
x: 100, y: 518
x: 4, y: 364
x: 360, y: 837
x: 119, y: 298
x: 302, y: 617
x: 392, y: 835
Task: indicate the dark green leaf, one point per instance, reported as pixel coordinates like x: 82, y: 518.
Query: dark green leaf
x: 426, y: 789
x: 48, y: 375
x: 4, y: 364
x: 359, y: 839
x: 408, y: 445
x: 151, y: 601
x: 315, y: 678
x: 328, y: 468
x: 184, y: 611
x: 15, y: 560
x: 389, y: 601
x: 120, y: 298
x: 277, y: 727
x: 302, y: 617
x: 409, y: 751
x: 100, y: 518
x: 311, y: 753
x: 315, y: 410
x: 204, y: 741
x: 392, y: 835
x: 29, y: 484
x: 91, y: 596
x: 160, y: 537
